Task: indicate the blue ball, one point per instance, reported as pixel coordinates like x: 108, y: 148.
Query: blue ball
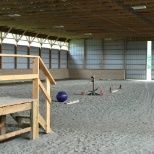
x: 61, y: 96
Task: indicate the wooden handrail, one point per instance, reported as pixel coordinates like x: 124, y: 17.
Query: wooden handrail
x: 44, y: 91
x: 41, y: 63
x: 46, y: 72
x: 20, y: 56
x: 37, y: 64
x: 18, y: 77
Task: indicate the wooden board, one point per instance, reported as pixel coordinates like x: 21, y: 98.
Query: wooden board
x: 18, y: 77
x: 21, y: 56
x: 7, y: 101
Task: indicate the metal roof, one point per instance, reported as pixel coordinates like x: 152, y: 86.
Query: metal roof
x: 78, y: 19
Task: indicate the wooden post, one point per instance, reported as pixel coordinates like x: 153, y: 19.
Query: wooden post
x: 125, y: 46
x: 102, y: 63
x: 15, y: 58
x: 2, y: 124
x: 0, y: 50
x: 84, y: 59
x: 68, y: 55
x: 40, y: 51
x: 36, y: 96
x: 28, y: 62
x: 67, y: 58
x: 50, y: 57
x: 34, y: 120
x: 0, y: 56
x: 59, y: 58
x: 48, y: 129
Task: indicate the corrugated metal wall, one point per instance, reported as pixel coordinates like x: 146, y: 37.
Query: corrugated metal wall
x: 8, y: 62
x: 55, y: 58
x: 63, y: 59
x: 76, y: 54
x: 45, y: 55
x: 93, y: 54
x: 136, y: 59
x: 22, y: 62
x: 33, y: 51
x: 113, y: 55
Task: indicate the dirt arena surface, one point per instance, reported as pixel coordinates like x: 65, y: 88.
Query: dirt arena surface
x: 116, y: 123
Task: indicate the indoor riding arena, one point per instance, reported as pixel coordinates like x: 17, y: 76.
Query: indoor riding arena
x: 76, y: 77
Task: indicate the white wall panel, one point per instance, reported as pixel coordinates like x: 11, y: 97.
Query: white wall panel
x: 45, y: 54
x: 33, y: 51
x: 55, y: 58
x: 22, y: 63
x: 76, y: 54
x: 93, y: 59
x: 63, y: 58
x: 136, y: 59
x: 8, y: 62
x: 113, y: 56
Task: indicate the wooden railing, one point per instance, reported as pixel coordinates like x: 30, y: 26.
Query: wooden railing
x: 37, y: 65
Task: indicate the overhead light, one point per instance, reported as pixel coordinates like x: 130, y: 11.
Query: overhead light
x: 139, y: 7
x: 87, y: 34
x: 14, y: 15
x: 58, y: 26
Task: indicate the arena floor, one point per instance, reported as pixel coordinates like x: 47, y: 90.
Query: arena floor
x: 115, y: 123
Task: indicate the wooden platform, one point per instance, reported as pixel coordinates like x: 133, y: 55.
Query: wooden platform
x: 10, y: 105
x: 13, y: 105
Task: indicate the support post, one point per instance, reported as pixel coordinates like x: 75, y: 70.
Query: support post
x: 2, y: 124
x: 48, y: 129
x: 28, y: 53
x: 50, y: 57
x: 36, y: 96
x: 15, y: 58
x: 34, y: 120
x: 0, y: 49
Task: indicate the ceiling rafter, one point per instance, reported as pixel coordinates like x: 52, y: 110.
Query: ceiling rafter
x: 101, y: 18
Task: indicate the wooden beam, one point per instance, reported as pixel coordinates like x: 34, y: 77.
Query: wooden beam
x: 84, y: 59
x: 35, y: 120
x: 2, y: 124
x: 14, y: 108
x: 36, y: 80
x: 45, y: 91
x: 48, y: 129
x: 15, y: 58
x: 21, y: 56
x: 28, y: 60
x: 17, y: 118
x: 42, y: 122
x: 59, y: 58
x: 0, y: 57
x: 50, y: 57
x: 18, y: 77
x: 21, y: 116
x: 12, y: 134
x: 40, y: 51
x: 35, y: 107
